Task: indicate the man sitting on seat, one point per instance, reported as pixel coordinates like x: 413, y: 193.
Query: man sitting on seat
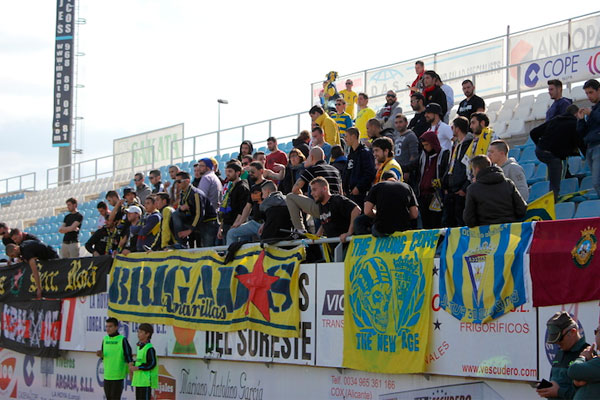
x: 195, y: 213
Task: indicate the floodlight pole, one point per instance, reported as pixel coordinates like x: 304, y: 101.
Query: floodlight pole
x: 219, y: 102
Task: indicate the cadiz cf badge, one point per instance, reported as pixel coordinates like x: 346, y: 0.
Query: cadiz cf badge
x: 583, y: 252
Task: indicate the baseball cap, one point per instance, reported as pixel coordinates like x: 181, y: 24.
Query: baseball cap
x: 557, y: 325
x: 134, y: 209
x: 433, y: 108
x: 128, y: 190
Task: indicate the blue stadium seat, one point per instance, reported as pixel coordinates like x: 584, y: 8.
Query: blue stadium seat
x: 537, y: 190
x: 575, y: 165
x: 588, y: 209
x: 225, y: 157
x: 263, y: 149
x: 234, y: 155
x: 588, y: 183
x: 565, y: 210
x: 569, y: 186
x: 514, y: 153
x: 528, y: 155
x: 541, y: 174
x: 529, y: 170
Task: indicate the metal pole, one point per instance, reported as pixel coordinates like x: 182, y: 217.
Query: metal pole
x: 219, y: 129
x: 507, y: 60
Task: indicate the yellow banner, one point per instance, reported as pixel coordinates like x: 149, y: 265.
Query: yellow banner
x: 387, y: 291
x: 196, y: 290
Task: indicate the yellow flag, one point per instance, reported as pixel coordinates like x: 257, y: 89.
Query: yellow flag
x: 196, y: 290
x: 387, y: 291
x: 541, y: 209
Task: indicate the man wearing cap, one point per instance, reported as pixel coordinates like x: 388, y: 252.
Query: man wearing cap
x: 350, y: 97
x: 128, y: 243
x: 433, y: 115
x: 210, y: 184
x: 563, y: 331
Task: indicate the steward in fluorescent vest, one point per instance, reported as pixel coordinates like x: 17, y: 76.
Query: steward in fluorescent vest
x: 116, y: 355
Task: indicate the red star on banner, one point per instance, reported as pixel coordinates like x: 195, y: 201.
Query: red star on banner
x: 259, y: 284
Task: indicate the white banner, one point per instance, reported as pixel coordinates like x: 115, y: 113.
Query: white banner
x: 79, y: 376
x: 330, y: 314
x: 500, y: 349
x: 141, y: 157
x: 571, y: 67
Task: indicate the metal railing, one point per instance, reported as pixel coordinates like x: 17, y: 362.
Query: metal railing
x: 264, y: 128
x: 18, y: 183
x: 111, y: 165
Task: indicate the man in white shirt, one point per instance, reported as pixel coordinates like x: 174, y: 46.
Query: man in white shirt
x: 433, y: 115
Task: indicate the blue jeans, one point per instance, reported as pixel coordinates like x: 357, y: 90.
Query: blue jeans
x: 555, y: 169
x: 247, y: 231
x: 592, y: 157
x: 207, y: 230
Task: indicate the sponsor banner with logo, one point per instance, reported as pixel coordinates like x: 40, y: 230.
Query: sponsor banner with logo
x: 31, y: 327
x: 60, y: 278
x: 330, y: 314
x: 550, y: 41
x: 571, y: 67
x: 79, y: 376
x: 136, y: 151
x: 257, y: 290
x: 388, y: 285
x: 500, y: 349
x: 64, y: 85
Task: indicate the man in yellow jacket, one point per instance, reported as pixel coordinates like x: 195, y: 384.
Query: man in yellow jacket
x: 330, y: 128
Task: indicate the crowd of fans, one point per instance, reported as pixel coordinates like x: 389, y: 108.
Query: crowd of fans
x: 376, y: 173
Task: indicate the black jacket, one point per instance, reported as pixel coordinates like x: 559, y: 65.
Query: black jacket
x: 457, y: 179
x: 493, y: 199
x: 360, y: 170
x: 438, y: 96
x: 558, y: 136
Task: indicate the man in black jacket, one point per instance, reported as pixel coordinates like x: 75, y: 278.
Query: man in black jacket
x: 432, y: 92
x: 277, y: 217
x: 555, y: 141
x: 455, y: 182
x: 194, y: 214
x: 492, y: 198
x: 360, y: 169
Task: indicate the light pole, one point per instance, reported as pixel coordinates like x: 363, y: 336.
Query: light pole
x: 219, y: 101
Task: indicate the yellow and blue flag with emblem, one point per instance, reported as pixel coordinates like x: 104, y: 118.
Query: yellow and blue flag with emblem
x: 258, y: 290
x: 388, y: 283
x: 541, y: 209
x: 481, y: 270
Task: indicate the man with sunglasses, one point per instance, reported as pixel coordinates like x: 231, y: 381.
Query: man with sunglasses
x: 562, y: 331
x: 387, y: 114
x: 350, y: 97
x: 142, y: 190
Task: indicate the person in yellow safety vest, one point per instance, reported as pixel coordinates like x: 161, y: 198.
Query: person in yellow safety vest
x: 116, y: 355
x: 145, y: 367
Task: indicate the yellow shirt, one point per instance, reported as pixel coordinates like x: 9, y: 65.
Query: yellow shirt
x: 363, y: 116
x: 330, y: 129
x: 351, y: 98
